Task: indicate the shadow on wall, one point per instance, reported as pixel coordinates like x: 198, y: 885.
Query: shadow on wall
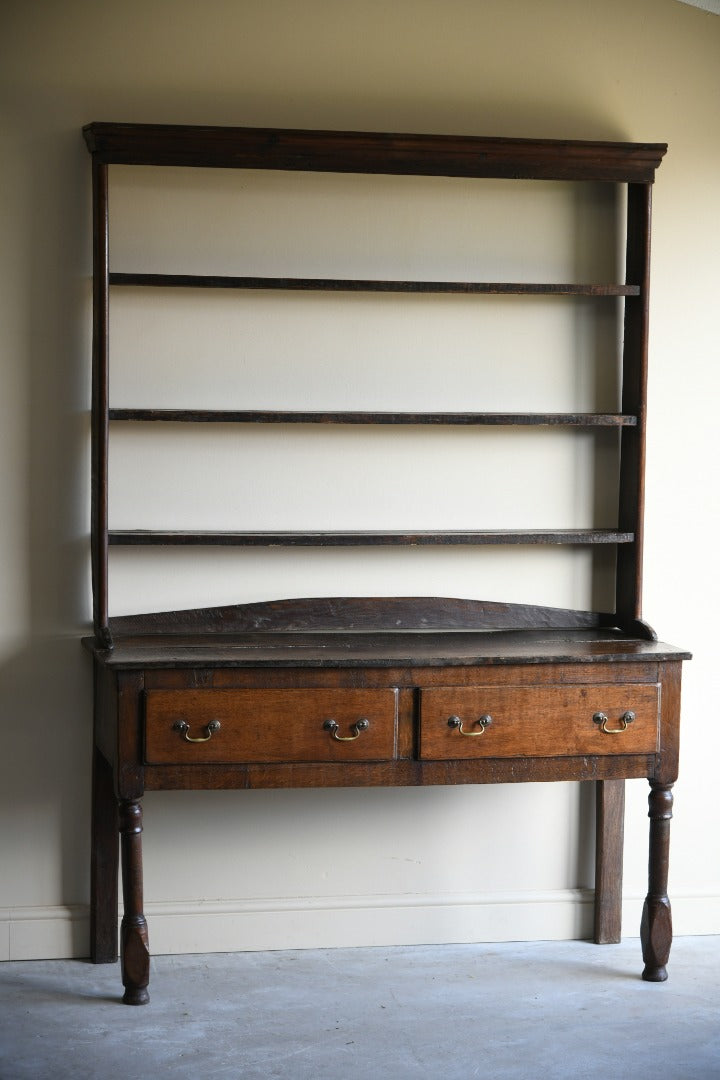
x: 45, y: 680
x: 45, y: 727
x: 57, y: 362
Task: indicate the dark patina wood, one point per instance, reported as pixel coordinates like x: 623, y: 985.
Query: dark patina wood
x: 488, y: 288
x: 610, y: 831
x: 100, y: 403
x: 338, y: 692
x: 256, y: 416
x: 628, y: 585
x: 290, y: 686
x: 372, y: 152
x: 367, y: 613
x: 656, y: 924
x: 103, y: 863
x: 360, y: 538
x: 383, y: 650
x: 134, y: 950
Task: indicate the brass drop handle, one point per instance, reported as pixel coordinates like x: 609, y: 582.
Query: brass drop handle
x: 601, y: 719
x: 183, y: 727
x: 484, y: 721
x: 360, y: 725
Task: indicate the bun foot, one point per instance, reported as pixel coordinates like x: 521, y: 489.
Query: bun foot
x: 655, y: 974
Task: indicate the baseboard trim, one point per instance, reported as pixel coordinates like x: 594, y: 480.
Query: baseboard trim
x: 44, y: 933
x: 345, y: 922
x: 337, y: 922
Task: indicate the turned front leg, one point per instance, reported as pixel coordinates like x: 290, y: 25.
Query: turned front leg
x: 656, y: 925
x: 134, y: 950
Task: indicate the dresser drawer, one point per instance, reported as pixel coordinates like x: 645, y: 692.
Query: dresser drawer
x: 184, y: 726
x: 538, y: 721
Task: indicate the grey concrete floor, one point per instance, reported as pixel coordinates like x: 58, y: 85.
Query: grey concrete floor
x: 542, y: 1010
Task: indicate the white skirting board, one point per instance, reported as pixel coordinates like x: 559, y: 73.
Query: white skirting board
x: 344, y: 922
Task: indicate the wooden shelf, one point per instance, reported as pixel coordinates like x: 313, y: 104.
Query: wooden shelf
x: 492, y: 288
x: 173, y: 538
x: 263, y: 416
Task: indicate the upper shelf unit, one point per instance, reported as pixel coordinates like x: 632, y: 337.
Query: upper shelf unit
x: 630, y: 164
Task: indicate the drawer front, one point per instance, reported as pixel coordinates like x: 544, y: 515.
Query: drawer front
x: 185, y: 726
x: 538, y: 721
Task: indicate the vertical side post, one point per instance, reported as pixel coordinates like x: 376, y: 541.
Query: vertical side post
x: 628, y: 597
x: 609, y: 835
x: 100, y: 405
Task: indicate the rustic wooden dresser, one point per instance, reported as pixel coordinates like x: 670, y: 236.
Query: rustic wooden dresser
x: 360, y: 691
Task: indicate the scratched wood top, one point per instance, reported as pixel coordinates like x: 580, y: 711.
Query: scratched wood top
x: 351, y: 649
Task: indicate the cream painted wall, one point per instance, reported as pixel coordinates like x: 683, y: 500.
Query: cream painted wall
x: 273, y: 869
